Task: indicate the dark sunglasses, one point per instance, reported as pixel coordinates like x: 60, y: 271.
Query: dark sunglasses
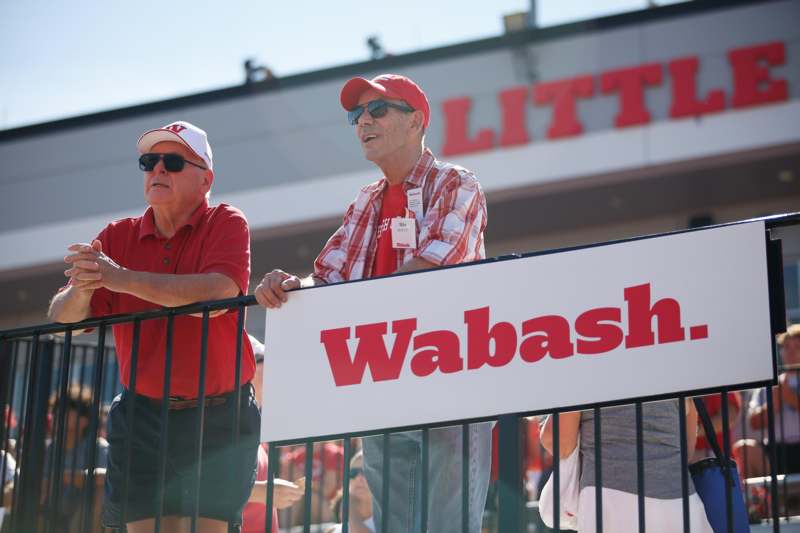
x: 355, y: 472
x: 376, y: 109
x: 172, y: 162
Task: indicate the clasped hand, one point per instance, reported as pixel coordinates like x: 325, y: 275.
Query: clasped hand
x: 90, y: 268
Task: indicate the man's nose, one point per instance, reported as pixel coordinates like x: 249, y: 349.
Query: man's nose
x: 365, y: 117
x: 159, y: 168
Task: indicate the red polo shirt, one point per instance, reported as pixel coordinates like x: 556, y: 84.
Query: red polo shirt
x: 215, y: 239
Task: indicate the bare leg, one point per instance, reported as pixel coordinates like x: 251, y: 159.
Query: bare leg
x: 178, y: 524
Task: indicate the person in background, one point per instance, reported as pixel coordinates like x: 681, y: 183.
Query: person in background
x: 77, y: 446
x: 360, y: 519
x: 786, y: 402
x: 662, y: 460
x: 713, y: 403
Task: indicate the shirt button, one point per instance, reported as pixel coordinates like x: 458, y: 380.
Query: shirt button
x: 168, y: 246
x: 166, y: 260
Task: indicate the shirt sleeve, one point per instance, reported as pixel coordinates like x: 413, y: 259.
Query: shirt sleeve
x: 332, y: 260
x: 227, y: 247
x: 452, y: 230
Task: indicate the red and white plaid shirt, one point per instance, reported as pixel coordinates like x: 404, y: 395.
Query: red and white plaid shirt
x: 451, y: 231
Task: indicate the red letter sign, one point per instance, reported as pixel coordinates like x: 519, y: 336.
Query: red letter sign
x: 456, y: 132
x: 684, y: 91
x: 751, y: 82
x: 562, y: 95
x: 630, y: 82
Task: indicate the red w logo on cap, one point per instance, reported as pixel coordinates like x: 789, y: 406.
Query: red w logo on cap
x: 175, y: 128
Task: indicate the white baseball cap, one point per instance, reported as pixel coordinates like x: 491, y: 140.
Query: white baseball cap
x: 183, y: 132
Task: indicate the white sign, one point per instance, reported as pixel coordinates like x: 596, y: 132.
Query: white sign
x: 654, y: 316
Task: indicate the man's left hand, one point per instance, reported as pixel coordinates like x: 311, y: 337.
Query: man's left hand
x: 91, y: 268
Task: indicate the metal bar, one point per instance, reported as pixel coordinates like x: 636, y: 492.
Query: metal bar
x: 426, y: 446
x: 320, y: 486
x: 94, y: 426
x: 289, y: 512
x: 726, y: 438
x: 201, y: 411
x: 556, y: 471
x: 465, y: 460
x: 640, y: 465
x: 509, y: 477
x: 58, y: 446
x: 309, y: 473
x: 131, y: 405
x: 162, y: 454
x: 684, y: 462
x: 21, y: 422
x: 773, y: 467
x: 598, y: 472
x: 782, y: 439
x: 345, y: 514
x: 6, y: 380
x: 32, y: 464
x: 237, y: 387
x: 10, y: 403
x: 75, y: 472
x: 775, y: 288
x: 273, y: 463
x: 745, y: 426
x: 387, y: 457
x: 237, y: 410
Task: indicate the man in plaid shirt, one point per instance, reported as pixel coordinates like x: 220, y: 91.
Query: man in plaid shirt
x: 421, y: 214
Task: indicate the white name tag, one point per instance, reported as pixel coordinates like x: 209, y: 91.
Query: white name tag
x: 414, y: 202
x: 404, y: 233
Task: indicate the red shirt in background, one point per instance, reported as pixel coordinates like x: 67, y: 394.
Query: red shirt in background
x: 215, y: 239
x: 331, y: 459
x: 713, y: 404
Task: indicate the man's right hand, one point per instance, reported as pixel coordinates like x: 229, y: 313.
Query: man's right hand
x: 271, y: 292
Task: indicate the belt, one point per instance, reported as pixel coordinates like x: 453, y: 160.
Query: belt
x: 176, y: 404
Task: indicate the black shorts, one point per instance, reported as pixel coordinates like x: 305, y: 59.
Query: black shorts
x: 228, y: 470
x: 788, y: 456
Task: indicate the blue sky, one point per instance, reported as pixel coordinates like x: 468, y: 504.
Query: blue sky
x: 61, y: 59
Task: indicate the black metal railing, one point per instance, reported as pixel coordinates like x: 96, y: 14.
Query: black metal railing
x: 40, y: 370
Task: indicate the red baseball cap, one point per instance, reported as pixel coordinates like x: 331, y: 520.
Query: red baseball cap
x: 390, y: 85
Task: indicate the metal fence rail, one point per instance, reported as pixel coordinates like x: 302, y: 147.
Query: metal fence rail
x: 41, y: 371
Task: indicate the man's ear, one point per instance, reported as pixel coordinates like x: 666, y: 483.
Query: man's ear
x: 208, y: 180
x: 417, y: 119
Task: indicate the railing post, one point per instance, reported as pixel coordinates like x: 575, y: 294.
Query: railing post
x: 32, y: 460
x: 509, y: 482
x: 6, y: 356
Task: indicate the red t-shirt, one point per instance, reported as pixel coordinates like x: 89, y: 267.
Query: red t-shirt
x: 713, y: 404
x: 393, y: 205
x: 215, y: 239
x: 254, y: 514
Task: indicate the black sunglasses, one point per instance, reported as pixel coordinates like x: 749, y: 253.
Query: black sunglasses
x: 172, y: 162
x: 376, y: 109
x: 355, y: 472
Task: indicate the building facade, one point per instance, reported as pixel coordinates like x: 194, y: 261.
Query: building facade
x: 645, y: 122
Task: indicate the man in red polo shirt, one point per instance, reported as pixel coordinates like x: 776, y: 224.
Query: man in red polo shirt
x: 180, y: 251
x: 422, y: 213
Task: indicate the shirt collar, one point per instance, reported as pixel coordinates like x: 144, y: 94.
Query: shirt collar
x: 417, y: 174
x: 148, y: 226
